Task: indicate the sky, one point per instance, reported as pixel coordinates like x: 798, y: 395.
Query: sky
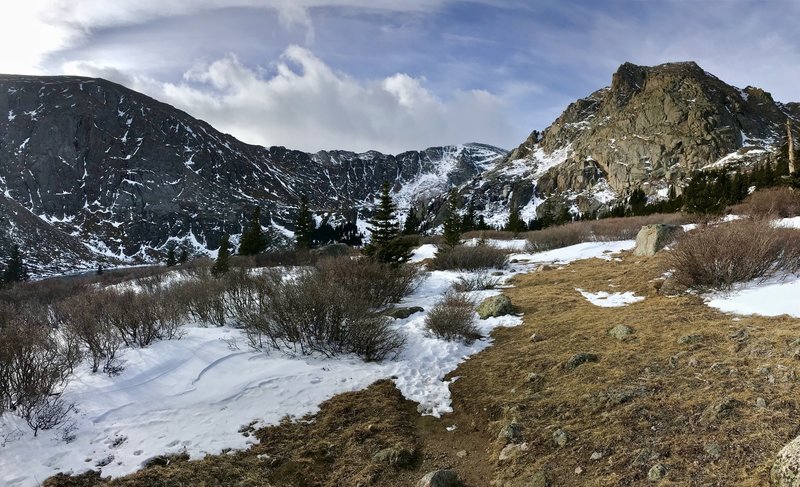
x: 393, y: 75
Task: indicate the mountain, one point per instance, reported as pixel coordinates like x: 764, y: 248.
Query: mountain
x: 112, y: 175
x: 650, y: 129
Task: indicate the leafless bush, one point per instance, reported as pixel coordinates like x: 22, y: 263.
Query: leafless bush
x: 470, y: 258
x: 202, y: 297
x: 35, y: 363
x: 476, y: 282
x: 309, y: 313
x: 453, y: 318
x: 84, y: 318
x: 770, y: 203
x: 557, y: 237
x: 376, y: 283
x: 721, y: 255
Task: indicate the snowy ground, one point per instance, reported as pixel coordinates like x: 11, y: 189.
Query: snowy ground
x: 610, y: 300
x: 771, y: 298
x: 193, y: 394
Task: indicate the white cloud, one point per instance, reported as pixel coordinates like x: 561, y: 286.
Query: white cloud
x: 304, y: 104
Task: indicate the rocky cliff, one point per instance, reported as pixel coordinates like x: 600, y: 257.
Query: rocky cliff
x: 118, y: 175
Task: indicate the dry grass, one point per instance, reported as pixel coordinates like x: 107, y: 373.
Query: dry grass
x: 770, y: 203
x: 648, y: 392
x: 470, y: 258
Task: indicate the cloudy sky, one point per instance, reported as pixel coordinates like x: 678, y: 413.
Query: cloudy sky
x: 393, y: 75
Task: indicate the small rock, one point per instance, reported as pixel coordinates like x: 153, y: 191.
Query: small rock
x: 712, y: 449
x: 644, y: 456
x: 395, y: 457
x: 511, y: 433
x: 403, y: 313
x: 761, y: 403
x: 104, y: 461
x: 536, y: 337
x: 718, y: 410
x: 539, y: 479
x: 535, y: 378
x: 439, y: 478
x: 461, y: 454
x: 578, y: 470
x: 498, y: 305
x: 512, y: 451
x: 498, y: 273
x: 596, y: 456
x: 741, y: 335
x: 690, y: 339
x: 657, y: 472
x: 561, y: 437
x: 621, y: 332
x: 579, y: 359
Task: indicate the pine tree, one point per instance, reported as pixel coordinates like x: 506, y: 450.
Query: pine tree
x: 385, y: 246
x: 99, y: 269
x: 184, y: 257
x: 412, y: 223
x: 253, y: 241
x: 481, y: 224
x: 468, y: 221
x: 171, y: 261
x: 304, y: 226
x: 515, y: 222
x: 15, y: 269
x: 383, y: 225
x: 452, y: 222
x: 222, y: 265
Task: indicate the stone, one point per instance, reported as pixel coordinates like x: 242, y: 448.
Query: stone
x: 539, y: 479
x: 461, y: 454
x: 761, y: 403
x: 579, y: 359
x: 561, y: 437
x: 439, y: 478
x: 494, y: 306
x: 511, y: 433
x: 621, y: 332
x: 403, y: 313
x: 656, y: 472
x: 536, y: 337
x: 652, y: 238
x: 690, y: 339
x: 717, y: 411
x: 512, y: 451
x: 713, y: 450
x: 596, y: 455
x: 644, y: 456
x: 395, y: 457
x: 785, y: 471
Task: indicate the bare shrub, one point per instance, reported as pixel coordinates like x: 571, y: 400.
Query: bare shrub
x: 309, y: 313
x: 377, y: 283
x: 84, y: 318
x: 721, y: 255
x: 557, y: 237
x: 470, y: 258
x: 770, y: 203
x: 35, y: 363
x: 475, y: 282
x: 202, y: 297
x: 453, y: 318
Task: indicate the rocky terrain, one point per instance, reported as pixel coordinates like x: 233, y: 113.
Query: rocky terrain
x: 115, y: 175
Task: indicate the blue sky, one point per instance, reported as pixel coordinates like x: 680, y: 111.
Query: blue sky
x: 394, y: 75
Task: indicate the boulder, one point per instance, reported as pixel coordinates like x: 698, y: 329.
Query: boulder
x: 652, y: 238
x: 439, y: 478
x: 403, y: 313
x: 657, y: 472
x: 579, y: 359
x: 395, y: 457
x: 511, y: 433
x: 498, y: 305
x: 785, y: 470
x: 621, y: 332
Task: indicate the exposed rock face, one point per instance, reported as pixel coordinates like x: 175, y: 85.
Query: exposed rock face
x: 652, y: 238
x: 650, y: 129
x: 112, y: 168
x: 785, y: 471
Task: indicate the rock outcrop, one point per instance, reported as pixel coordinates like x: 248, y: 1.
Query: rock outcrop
x: 652, y: 238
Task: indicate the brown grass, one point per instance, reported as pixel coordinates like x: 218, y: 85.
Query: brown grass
x: 770, y: 203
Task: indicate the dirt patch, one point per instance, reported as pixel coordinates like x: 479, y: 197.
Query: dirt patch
x: 682, y: 391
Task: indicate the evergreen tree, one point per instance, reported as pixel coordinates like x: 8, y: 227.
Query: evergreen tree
x: 222, y: 265
x: 515, y: 222
x: 385, y: 245
x: 184, y: 257
x: 253, y: 240
x: 468, y: 221
x: 481, y: 224
x: 15, y: 268
x: 304, y: 225
x: 412, y: 223
x: 452, y: 223
x: 99, y: 269
x: 171, y: 261
x: 637, y: 202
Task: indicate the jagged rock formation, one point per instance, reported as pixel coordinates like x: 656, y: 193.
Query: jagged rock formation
x: 118, y: 174
x: 650, y: 129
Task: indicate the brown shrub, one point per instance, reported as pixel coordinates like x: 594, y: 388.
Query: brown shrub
x: 453, y: 318
x: 470, y: 258
x: 378, y: 283
x: 770, y: 203
x: 476, y: 282
x: 721, y: 255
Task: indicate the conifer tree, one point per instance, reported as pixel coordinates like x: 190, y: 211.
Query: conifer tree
x: 515, y: 222
x: 171, y: 261
x: 222, y: 265
x: 468, y: 220
x: 481, y: 224
x: 412, y: 223
x: 253, y: 241
x: 452, y: 222
x: 385, y: 246
x: 15, y: 269
x: 184, y: 256
x: 304, y: 226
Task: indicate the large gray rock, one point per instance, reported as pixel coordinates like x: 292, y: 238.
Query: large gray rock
x: 498, y: 305
x: 439, y: 478
x: 652, y: 238
x: 785, y: 470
